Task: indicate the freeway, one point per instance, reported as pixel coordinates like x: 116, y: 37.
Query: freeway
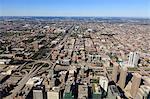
x: 21, y: 84
x: 35, y: 68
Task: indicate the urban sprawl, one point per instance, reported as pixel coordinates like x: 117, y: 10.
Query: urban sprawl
x: 74, y: 58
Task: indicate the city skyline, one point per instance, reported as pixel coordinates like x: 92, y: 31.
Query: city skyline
x: 50, y: 56
x: 98, y: 8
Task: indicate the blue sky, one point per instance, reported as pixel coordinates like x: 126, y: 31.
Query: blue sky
x: 125, y: 8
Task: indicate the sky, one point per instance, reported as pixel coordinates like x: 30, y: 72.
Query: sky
x: 107, y: 8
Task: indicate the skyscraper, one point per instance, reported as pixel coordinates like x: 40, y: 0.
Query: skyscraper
x: 122, y: 77
x: 115, y: 72
x: 37, y: 94
x: 133, y: 59
x: 103, y: 81
x: 53, y: 95
x: 135, y: 84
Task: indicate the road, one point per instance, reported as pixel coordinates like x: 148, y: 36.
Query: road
x: 35, y: 68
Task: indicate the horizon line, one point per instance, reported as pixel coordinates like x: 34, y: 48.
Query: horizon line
x: 73, y: 16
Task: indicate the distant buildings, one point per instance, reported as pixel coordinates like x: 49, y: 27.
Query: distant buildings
x: 95, y: 58
x: 36, y: 46
x: 5, y: 61
x: 65, y: 62
x: 69, y: 58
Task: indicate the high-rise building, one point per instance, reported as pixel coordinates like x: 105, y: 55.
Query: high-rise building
x: 53, y: 95
x: 37, y: 94
x: 115, y: 72
x: 135, y: 84
x: 133, y: 59
x: 103, y: 81
x: 113, y: 92
x: 122, y: 78
x: 97, y: 93
x: 1, y: 91
x: 67, y: 93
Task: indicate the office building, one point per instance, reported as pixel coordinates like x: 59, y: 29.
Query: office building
x: 135, y: 84
x: 53, y: 95
x: 133, y: 59
x: 68, y: 93
x: 115, y: 72
x: 122, y: 78
x: 113, y: 92
x: 103, y: 81
x: 37, y: 94
x: 97, y: 93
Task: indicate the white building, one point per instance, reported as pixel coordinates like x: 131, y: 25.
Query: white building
x: 53, y: 95
x: 65, y: 61
x: 34, y: 81
x: 37, y: 94
x: 103, y: 81
x: 5, y: 61
x: 133, y: 59
x: 94, y: 58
